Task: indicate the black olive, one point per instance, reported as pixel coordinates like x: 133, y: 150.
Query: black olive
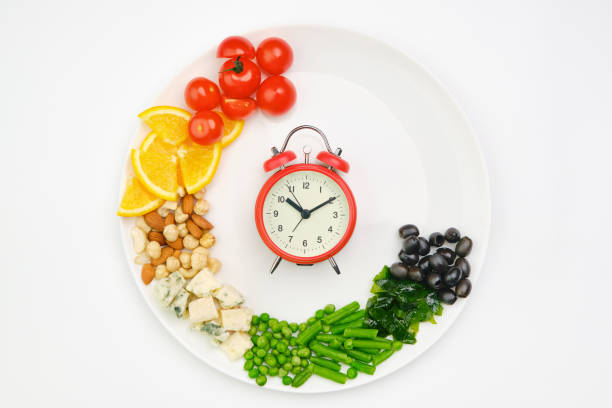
x: 424, y: 264
x: 407, y: 230
x: 452, y: 235
x: 436, y: 239
x: 399, y: 271
x: 415, y: 274
x: 464, y: 287
x: 408, y: 259
x: 434, y: 280
x: 411, y: 245
x: 452, y: 276
x: 447, y: 253
x: 464, y: 247
x: 447, y: 296
x: 438, y: 263
x: 464, y: 265
x: 423, y: 246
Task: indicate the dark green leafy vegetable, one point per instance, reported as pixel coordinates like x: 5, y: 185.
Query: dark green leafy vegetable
x: 398, y: 306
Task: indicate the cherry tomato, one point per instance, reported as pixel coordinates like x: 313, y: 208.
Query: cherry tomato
x: 239, y: 78
x: 202, y: 94
x: 236, y: 46
x: 276, y: 95
x: 238, y: 108
x: 206, y: 127
x: 274, y: 55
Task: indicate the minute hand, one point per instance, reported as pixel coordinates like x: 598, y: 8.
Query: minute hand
x: 322, y: 204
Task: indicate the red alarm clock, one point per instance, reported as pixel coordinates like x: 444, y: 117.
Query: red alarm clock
x: 305, y: 213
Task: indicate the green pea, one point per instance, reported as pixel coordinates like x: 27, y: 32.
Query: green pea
x: 272, y: 321
x: 252, y: 331
x: 248, y: 355
x: 254, y: 349
x: 294, y: 352
x: 281, y: 346
x: 275, y: 352
x: 311, y: 320
x: 271, y: 360
x: 287, y: 380
x: 319, y: 314
x: 295, y: 360
x: 264, y: 369
x: 286, y: 332
x: 284, y: 323
x: 294, y: 327
x: 292, y: 341
x: 248, y: 365
x: 329, y: 309
x: 268, y: 335
x: 297, y: 370
x: 273, y: 371
x: 261, y: 353
x: 254, y: 339
x: 255, y: 320
x: 285, y: 341
x: 396, y: 345
x: 261, y: 380
x: 262, y: 342
x: 273, y: 342
x: 351, y: 373
x: 264, y: 317
x: 257, y: 360
x: 281, y: 358
x: 304, y: 363
x: 277, y: 336
x: 303, y: 352
x: 253, y: 372
x: 288, y: 366
x: 326, y: 328
x: 276, y: 328
x: 262, y: 327
x: 302, y: 327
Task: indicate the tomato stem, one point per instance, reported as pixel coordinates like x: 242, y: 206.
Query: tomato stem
x: 237, y: 68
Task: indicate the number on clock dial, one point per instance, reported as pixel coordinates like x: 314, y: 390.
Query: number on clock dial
x: 322, y: 230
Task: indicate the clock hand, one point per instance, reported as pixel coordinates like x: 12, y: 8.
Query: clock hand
x: 322, y: 204
x: 294, y: 228
x: 294, y: 205
x: 296, y: 200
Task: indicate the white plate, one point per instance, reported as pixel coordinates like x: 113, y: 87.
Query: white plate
x: 414, y: 159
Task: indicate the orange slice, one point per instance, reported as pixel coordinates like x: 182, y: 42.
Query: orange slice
x: 157, y: 172
x: 154, y: 143
x: 137, y: 200
x: 169, y: 122
x: 198, y: 164
x: 231, y: 129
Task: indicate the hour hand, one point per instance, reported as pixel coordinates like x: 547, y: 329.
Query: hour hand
x: 293, y: 204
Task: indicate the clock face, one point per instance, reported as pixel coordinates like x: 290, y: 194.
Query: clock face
x: 306, y: 214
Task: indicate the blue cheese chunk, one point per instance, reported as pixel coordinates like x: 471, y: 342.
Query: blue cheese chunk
x: 214, y: 330
x: 203, y: 310
x: 236, y: 345
x: 167, y: 288
x: 236, y: 319
x: 180, y: 303
x: 228, y: 296
x: 203, y: 283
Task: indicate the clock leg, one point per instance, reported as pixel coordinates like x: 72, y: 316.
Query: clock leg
x: 334, y: 265
x: 275, y: 264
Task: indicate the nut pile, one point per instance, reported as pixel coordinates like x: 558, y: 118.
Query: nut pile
x: 175, y: 237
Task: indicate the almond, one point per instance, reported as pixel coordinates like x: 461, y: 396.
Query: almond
x: 178, y: 244
x: 176, y: 253
x: 166, y: 253
x: 194, y: 229
x: 169, y: 219
x: 187, y: 204
x: 147, y: 273
x: 201, y: 222
x: 154, y: 220
x: 156, y: 236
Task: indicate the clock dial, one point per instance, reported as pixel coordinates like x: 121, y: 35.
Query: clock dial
x: 319, y: 225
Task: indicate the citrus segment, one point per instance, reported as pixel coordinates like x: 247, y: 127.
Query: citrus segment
x: 198, y: 164
x: 155, y: 143
x: 169, y: 122
x: 157, y: 172
x: 231, y: 129
x: 137, y: 200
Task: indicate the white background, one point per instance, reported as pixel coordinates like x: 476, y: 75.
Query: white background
x: 533, y: 76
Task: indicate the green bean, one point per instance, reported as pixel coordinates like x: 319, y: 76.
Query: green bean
x: 287, y: 380
x: 261, y: 380
x: 372, y: 351
x: 396, y: 345
x: 341, y: 313
x: 304, y: 337
x: 323, y: 362
x: 371, y: 344
x: 330, y: 374
x: 335, y: 355
x: 335, y: 344
x: 351, y: 373
x: 339, y: 329
x: 326, y: 328
x: 329, y: 309
x: 359, y: 355
x: 348, y: 344
x: 360, y: 333
x: 379, y: 358
x: 311, y: 320
x: 352, y: 317
x: 302, y: 327
x: 326, y: 338
x: 301, y: 378
x: 296, y: 370
x: 363, y: 367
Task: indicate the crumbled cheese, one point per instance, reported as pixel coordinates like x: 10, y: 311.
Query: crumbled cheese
x: 180, y: 303
x: 167, y: 288
x: 228, y: 296
x: 236, y: 319
x: 236, y: 345
x: 203, y: 310
x: 203, y: 283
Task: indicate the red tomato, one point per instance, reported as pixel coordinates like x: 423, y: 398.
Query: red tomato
x: 274, y: 55
x: 206, y: 127
x: 238, y: 108
x: 235, y: 46
x: 276, y: 95
x: 239, y: 78
x: 202, y: 94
